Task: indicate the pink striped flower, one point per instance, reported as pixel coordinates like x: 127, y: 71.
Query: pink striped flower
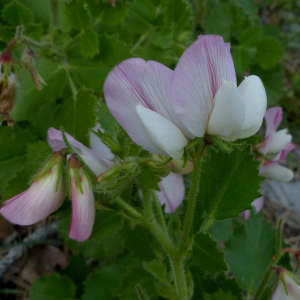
x: 83, y: 202
x: 42, y: 198
x: 98, y: 158
x: 276, y: 143
x: 161, y: 109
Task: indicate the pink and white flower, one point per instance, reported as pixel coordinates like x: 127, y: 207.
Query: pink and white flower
x: 257, y: 204
x: 287, y: 288
x: 42, y: 198
x: 83, y: 202
x: 98, y: 158
x: 276, y: 143
x: 205, y: 95
x: 142, y: 96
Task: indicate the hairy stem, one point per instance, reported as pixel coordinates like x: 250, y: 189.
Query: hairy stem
x: 159, y: 212
x: 192, y: 198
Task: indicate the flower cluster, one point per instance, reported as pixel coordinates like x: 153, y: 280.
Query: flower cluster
x: 274, y: 148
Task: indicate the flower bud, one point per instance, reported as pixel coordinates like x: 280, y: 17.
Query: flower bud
x: 278, y: 173
x: 8, y: 89
x: 42, y: 198
x: 110, y: 175
x: 30, y: 62
x: 158, y: 164
x: 83, y: 202
x: 287, y: 288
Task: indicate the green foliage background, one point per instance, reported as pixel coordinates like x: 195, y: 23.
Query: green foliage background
x: 77, y: 43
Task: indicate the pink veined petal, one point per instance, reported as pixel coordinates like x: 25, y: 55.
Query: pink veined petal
x: 197, y: 77
x: 96, y: 163
x: 278, y: 173
x: 267, y: 164
x: 135, y: 81
x: 97, y: 145
x: 36, y: 203
x: 273, y: 118
x: 292, y: 292
x: 228, y: 113
x: 258, y: 204
x: 171, y: 192
x: 245, y: 214
x: 83, y: 208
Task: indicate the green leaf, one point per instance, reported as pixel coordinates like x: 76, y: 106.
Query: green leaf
x: 108, y: 14
x: 218, y: 20
x: 77, y: 115
x: 35, y: 31
x: 89, y: 43
x: 157, y: 269
x: 249, y: 252
x: 134, y: 277
x: 138, y: 241
x: 141, y: 16
x: 268, y: 53
x: 249, y: 7
x: 106, y: 119
x: 207, y: 256
x: 77, y: 16
x: 236, y: 182
x: 16, y: 14
x: 241, y: 59
x: 159, y: 54
x: 220, y: 295
x: 220, y: 230
x: 13, y: 154
x: 177, y: 16
x: 77, y: 270
x: 273, y: 80
x: 250, y: 36
x: 91, y: 73
x: 107, y: 222
x: 7, y: 33
x: 102, y: 283
x: 51, y: 287
x: 29, y: 99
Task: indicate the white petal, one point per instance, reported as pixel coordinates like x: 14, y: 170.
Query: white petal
x: 228, y: 113
x: 280, y: 293
x: 279, y: 173
x: 162, y: 133
x: 254, y: 98
x: 97, y: 145
x: 279, y: 140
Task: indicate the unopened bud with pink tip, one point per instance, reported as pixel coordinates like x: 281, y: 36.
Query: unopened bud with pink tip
x: 30, y: 62
x: 287, y: 288
x: 43, y: 197
x: 83, y: 202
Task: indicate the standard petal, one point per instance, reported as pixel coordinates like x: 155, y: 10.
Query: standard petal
x: 258, y: 204
x: 280, y: 293
x: 278, y: 158
x: 228, y: 113
x: 135, y: 81
x: 171, y: 192
x: 162, y: 133
x: 95, y: 162
x: 41, y: 199
x: 197, y: 77
x: 278, y: 173
x: 254, y: 97
x: 279, y: 140
x: 97, y: 145
x: 83, y: 208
